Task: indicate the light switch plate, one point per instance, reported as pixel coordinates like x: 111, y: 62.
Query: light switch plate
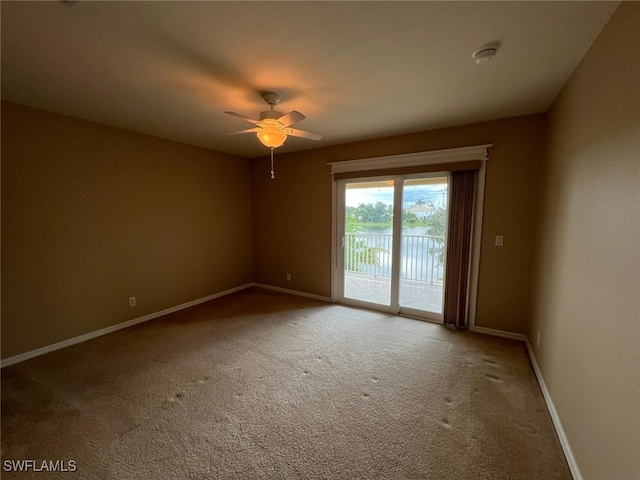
x: 499, y: 240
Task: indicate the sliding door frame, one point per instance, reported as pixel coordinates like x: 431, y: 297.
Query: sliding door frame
x: 428, y: 160
x: 395, y: 281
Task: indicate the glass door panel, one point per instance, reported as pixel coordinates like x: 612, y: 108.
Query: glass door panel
x: 422, y: 244
x: 367, y: 241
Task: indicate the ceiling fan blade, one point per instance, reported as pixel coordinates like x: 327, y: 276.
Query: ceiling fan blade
x: 249, y: 130
x: 302, y: 134
x: 291, y: 118
x: 250, y: 120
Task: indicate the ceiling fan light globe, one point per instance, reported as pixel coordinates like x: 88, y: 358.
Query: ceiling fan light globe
x: 271, y: 137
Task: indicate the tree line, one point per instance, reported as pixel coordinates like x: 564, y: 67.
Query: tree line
x: 370, y: 213
x: 381, y: 213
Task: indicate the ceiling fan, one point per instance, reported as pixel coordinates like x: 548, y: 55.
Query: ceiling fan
x: 274, y: 128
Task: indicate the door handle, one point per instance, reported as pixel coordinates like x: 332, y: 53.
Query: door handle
x: 342, y: 244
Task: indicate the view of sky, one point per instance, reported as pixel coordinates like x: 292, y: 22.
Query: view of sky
x: 412, y: 193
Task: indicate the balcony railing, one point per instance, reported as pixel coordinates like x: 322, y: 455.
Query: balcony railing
x: 421, y: 256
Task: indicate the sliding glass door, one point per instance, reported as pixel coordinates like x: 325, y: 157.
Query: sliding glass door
x: 392, y: 237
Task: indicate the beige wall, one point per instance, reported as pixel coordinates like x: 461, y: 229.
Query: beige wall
x: 292, y: 214
x: 587, y: 301
x: 92, y: 215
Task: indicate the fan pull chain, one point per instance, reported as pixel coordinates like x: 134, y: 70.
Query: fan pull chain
x: 273, y: 175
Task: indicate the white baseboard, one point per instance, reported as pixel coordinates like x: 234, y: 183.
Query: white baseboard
x: 104, y: 331
x: 293, y: 292
x: 499, y: 333
x: 568, y: 453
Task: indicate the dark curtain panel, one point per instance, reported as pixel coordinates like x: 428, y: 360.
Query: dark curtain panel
x: 462, y: 184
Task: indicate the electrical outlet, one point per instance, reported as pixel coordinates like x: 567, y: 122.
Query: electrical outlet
x: 132, y: 301
x: 288, y: 276
x: 499, y: 240
x: 538, y: 339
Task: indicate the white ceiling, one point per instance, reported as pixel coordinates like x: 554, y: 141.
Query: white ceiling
x: 357, y: 70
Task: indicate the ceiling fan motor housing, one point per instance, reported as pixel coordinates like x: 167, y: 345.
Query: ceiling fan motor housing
x: 270, y: 115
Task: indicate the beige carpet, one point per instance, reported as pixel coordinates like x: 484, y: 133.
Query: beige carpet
x: 262, y: 385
